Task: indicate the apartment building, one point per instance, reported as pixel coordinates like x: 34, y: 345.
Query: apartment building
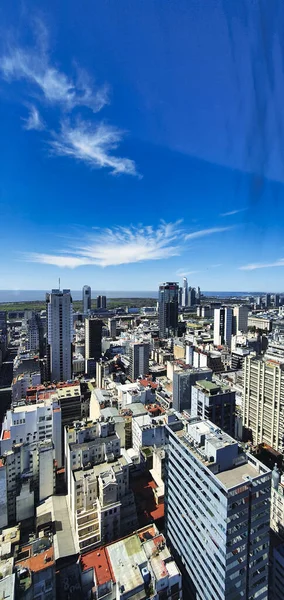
x: 217, y: 403
x: 100, y: 501
x: 263, y: 400
x: 217, y: 507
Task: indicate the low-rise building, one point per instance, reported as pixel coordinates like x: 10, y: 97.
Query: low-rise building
x: 138, y: 566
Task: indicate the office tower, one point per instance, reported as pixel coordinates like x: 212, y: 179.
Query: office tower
x: 216, y: 403
x: 3, y: 321
x: 93, y: 338
x: 86, y: 299
x: 198, y: 295
x: 112, y: 327
x: 263, y: 400
x: 101, y: 302
x: 217, y: 505
x: 139, y: 359
x: 276, y: 300
x: 59, y: 334
x: 223, y: 318
x: 168, y: 309
x: 267, y: 300
x: 240, y: 319
x: 191, y: 296
x: 185, y: 292
x: 180, y: 296
x: 182, y: 386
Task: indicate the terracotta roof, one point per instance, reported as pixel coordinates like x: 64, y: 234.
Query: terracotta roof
x: 100, y: 562
x: 39, y: 562
x: 6, y: 435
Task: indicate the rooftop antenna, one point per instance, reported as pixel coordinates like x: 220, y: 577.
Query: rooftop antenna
x: 59, y: 283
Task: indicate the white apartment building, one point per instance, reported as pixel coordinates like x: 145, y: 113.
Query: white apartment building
x: 30, y: 478
x: 148, y: 431
x: 263, y: 400
x: 22, y: 382
x: 217, y: 514
x: 59, y: 334
x: 100, y: 502
x: 29, y: 423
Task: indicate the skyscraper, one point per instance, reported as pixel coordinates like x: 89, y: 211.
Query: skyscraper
x: 223, y: 321
x: 86, y: 299
x: 139, y: 359
x: 240, y: 319
x: 93, y: 338
x: 191, y: 296
x: 168, y: 309
x: 59, y: 315
x: 263, y: 400
x: 101, y: 302
x: 217, y: 509
x: 185, y: 292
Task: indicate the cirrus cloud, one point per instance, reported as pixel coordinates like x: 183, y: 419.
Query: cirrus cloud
x: 254, y: 266
x: 94, y: 145
x: 123, y: 245
x: 34, y: 120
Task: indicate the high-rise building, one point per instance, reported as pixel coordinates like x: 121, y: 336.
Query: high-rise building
x: 168, y: 309
x: 198, y: 295
x: 180, y: 296
x: 182, y: 386
x: 191, y: 296
x: 139, y: 359
x: 263, y: 400
x: 276, y: 300
x: 217, y: 505
x: 86, y: 299
x: 267, y: 300
x: 185, y: 292
x: 93, y: 338
x: 59, y: 334
x: 223, y: 322
x: 101, y: 302
x: 112, y: 327
x: 240, y: 319
x: 217, y: 403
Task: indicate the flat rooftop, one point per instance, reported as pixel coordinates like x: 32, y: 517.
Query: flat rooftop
x: 126, y: 556
x: 237, y: 475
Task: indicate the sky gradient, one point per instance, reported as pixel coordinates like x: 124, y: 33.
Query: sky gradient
x: 141, y: 142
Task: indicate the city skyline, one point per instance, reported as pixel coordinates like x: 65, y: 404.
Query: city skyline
x: 127, y: 170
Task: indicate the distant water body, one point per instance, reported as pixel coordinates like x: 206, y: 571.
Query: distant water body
x: 33, y: 295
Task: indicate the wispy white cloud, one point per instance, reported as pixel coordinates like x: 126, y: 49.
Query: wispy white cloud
x: 215, y: 266
x: 33, y: 66
x: 34, y: 120
x: 253, y: 266
x: 118, y: 246
x: 184, y: 273
x: 233, y: 212
x: 205, y: 232
x: 94, y: 145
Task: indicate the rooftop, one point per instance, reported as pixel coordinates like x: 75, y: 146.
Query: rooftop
x: 36, y: 562
x: 99, y: 561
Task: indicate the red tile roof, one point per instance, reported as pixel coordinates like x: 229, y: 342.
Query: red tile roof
x: 38, y: 562
x: 100, y: 562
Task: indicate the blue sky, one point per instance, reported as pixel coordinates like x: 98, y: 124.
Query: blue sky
x: 141, y: 141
